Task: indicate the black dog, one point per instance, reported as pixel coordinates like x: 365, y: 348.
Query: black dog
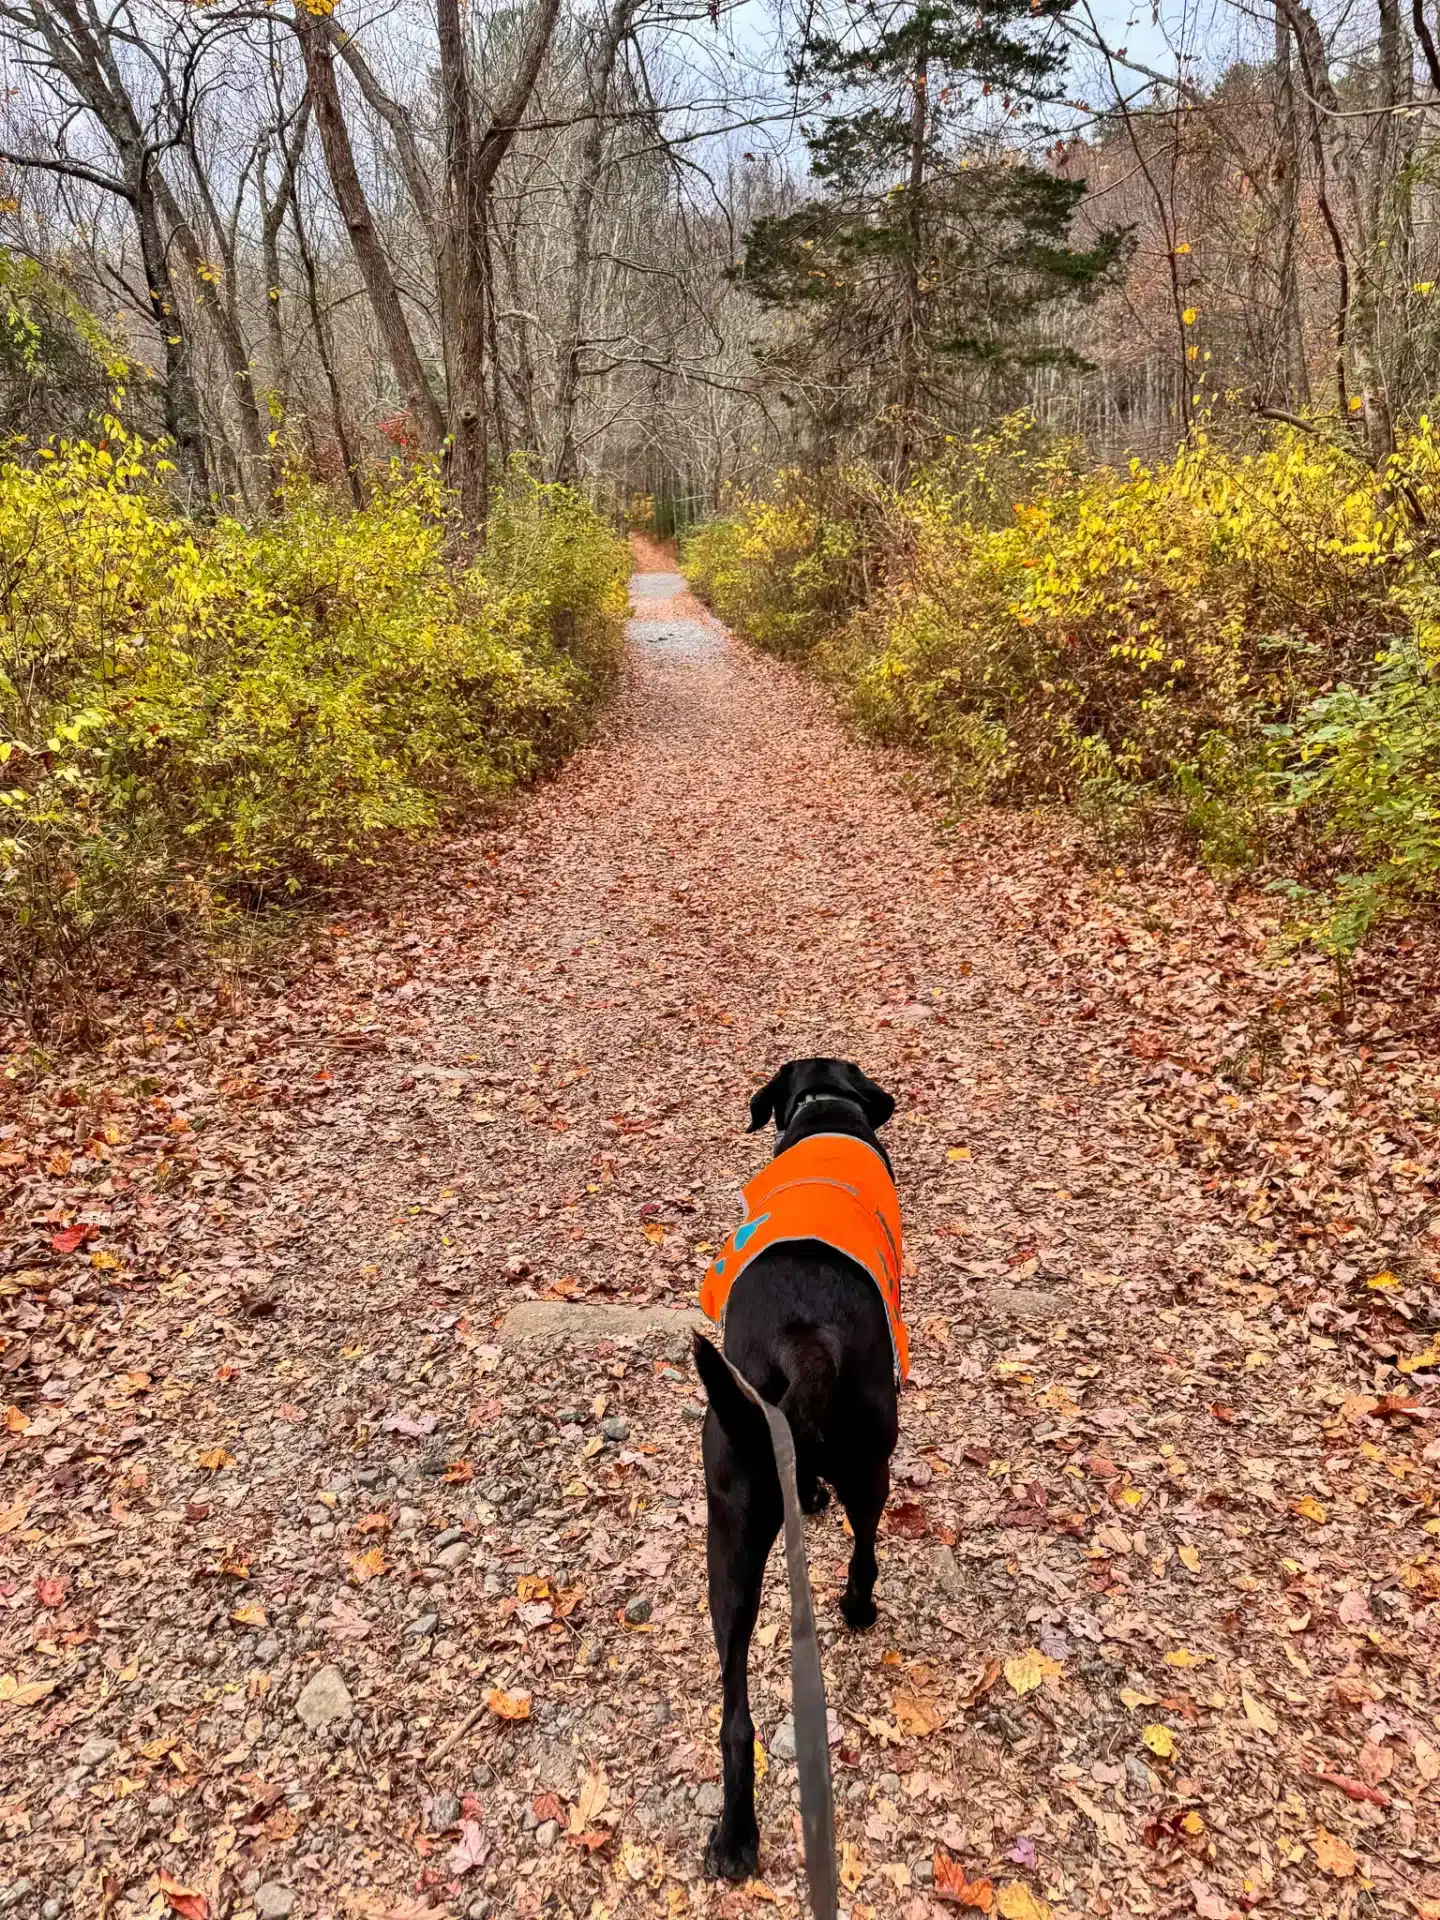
x: 807, y: 1327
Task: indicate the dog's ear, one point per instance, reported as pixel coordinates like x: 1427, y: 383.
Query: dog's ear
x: 878, y: 1105
x: 771, y: 1098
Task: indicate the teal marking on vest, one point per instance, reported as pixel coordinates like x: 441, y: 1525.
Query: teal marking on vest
x: 742, y: 1234
x: 719, y: 1266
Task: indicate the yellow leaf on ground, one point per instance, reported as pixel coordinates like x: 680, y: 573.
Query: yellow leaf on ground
x: 24, y: 1693
x: 851, y: 1870
x: 508, y: 1706
x: 762, y: 1760
x: 1334, y: 1855
x: 214, y: 1459
x: 366, y: 1566
x: 1132, y: 1698
x: 1016, y: 1902
x: 1183, y: 1657
x: 957, y: 1153
x: 253, y: 1615
x: 1160, y: 1740
x: 1257, y: 1713
x: 1310, y: 1509
x: 1025, y: 1671
x: 654, y: 1233
x: 1189, y: 1559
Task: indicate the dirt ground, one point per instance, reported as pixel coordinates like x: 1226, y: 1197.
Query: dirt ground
x: 328, y: 1592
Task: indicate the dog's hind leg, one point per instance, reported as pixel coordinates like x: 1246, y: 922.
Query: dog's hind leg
x: 863, y: 1498
x: 745, y: 1516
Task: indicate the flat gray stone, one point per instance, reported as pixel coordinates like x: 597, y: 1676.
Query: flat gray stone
x: 325, y: 1698
x: 96, y: 1749
x: 578, y: 1322
x: 274, y: 1902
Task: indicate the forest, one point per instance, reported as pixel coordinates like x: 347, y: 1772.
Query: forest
x: 887, y: 302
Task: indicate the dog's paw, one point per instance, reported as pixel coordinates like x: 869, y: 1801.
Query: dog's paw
x: 729, y: 1858
x: 816, y: 1498
x: 858, y: 1614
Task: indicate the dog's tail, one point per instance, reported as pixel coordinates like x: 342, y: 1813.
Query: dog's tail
x: 811, y: 1360
x: 741, y: 1418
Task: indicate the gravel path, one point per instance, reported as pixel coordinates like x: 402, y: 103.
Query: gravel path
x: 344, y: 1598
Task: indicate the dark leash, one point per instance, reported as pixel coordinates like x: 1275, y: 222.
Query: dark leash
x: 807, y: 1682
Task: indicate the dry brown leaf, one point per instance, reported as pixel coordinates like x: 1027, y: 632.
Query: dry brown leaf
x: 1257, y: 1713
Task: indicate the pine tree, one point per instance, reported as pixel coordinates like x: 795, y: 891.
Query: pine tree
x: 918, y: 269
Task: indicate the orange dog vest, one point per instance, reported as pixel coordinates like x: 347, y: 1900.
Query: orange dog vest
x: 829, y: 1187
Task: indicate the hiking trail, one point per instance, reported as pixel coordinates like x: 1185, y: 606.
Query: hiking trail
x: 360, y: 1601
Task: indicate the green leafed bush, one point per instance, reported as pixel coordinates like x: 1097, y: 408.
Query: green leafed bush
x: 195, y: 719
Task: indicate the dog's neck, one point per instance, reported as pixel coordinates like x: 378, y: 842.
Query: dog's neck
x: 838, y: 1099
x: 863, y: 1131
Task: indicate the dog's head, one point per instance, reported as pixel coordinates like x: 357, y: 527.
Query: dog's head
x: 799, y: 1081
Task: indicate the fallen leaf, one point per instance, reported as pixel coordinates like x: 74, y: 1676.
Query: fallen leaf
x: 982, y: 1683
x: 368, y: 1565
x: 1132, y: 1697
x: 508, y: 1706
x: 71, y: 1239
x: 1257, y: 1713
x: 1183, y: 1657
x: 591, y: 1802
x: 1015, y: 1901
x: 852, y: 1872
x: 915, y: 1716
x: 251, y: 1615
x: 1310, y: 1509
x: 24, y: 1693
x: 907, y: 1519
x: 470, y: 1850
x: 1160, y: 1740
x: 1189, y: 1558
x: 16, y: 1420
x: 1333, y: 1855
x: 214, y: 1459
x: 345, y: 1622
x: 415, y: 1427
x: 1208, y: 1904
x: 1026, y: 1671
x: 952, y: 1884
x: 186, y: 1901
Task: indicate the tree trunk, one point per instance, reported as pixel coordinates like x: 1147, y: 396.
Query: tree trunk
x: 1295, y: 371
x: 462, y: 280
x: 911, y: 321
x: 369, y: 254
x: 324, y: 347
x: 182, y: 399
x: 600, y: 72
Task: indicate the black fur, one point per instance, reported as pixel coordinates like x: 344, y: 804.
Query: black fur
x: 808, y: 1329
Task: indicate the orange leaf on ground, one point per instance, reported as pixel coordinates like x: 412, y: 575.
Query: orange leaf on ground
x: 508, y: 1706
x: 186, y: 1901
x: 951, y: 1884
x: 1334, y: 1855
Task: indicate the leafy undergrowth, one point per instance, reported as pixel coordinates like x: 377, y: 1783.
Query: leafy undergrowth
x: 196, y: 721
x: 320, y: 1589
x: 1235, y: 649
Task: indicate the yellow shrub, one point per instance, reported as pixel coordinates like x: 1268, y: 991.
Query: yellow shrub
x: 1135, y: 641
x: 191, y: 717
